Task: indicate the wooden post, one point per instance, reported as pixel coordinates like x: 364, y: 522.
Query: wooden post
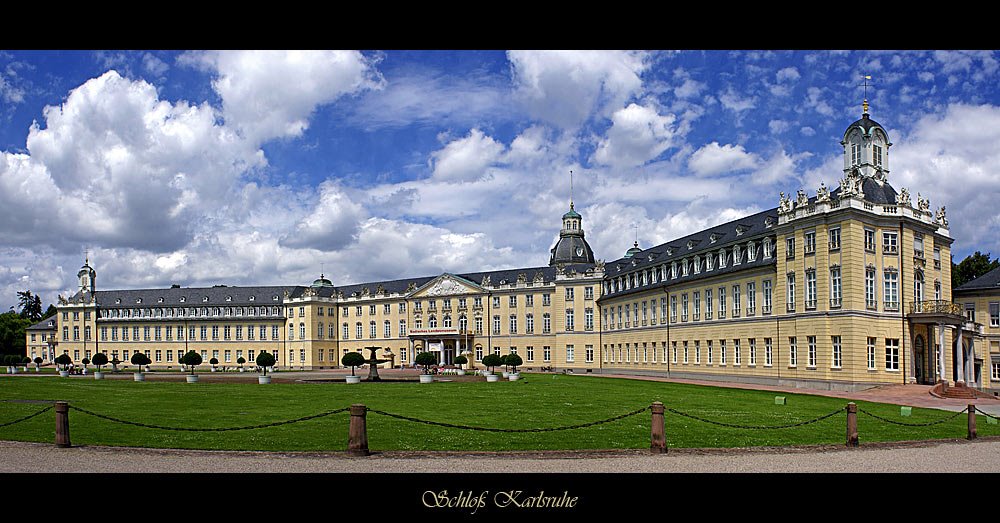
x: 658, y: 440
x: 972, y: 421
x: 852, y: 424
x: 62, y: 425
x: 357, y: 434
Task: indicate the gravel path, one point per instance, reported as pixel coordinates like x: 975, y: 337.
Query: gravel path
x: 952, y: 456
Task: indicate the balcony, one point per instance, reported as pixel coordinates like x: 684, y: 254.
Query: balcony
x: 936, y: 311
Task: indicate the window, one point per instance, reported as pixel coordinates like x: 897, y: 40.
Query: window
x: 790, y: 248
x: 889, y: 243
x: 810, y: 288
x: 496, y: 324
x: 588, y: 293
x: 402, y: 307
x: 811, y: 340
x: 790, y: 306
x: 588, y: 354
x: 588, y: 318
x: 570, y: 358
x: 529, y: 324
x: 995, y: 371
x: 722, y: 302
x: 644, y: 313
x: 529, y: 353
x: 877, y: 154
x: 291, y: 331
x: 937, y: 258
x: 512, y: 301
x: 918, y: 246
x: 697, y: 305
x: 708, y: 304
x: 673, y: 309
x: 837, y: 352
x: 387, y: 329
x: 994, y: 314
x: 834, y: 234
x: 358, y: 331
x: 274, y: 332
x: 891, y: 287
x: 751, y: 298
x: 685, y: 352
x: 767, y: 352
x: 708, y: 351
x: 810, y: 242
x: 402, y: 328
x: 513, y: 324
x: 871, y: 353
x: 479, y: 353
x: 546, y: 300
x: 752, y: 342
x: 855, y: 154
x: 722, y: 352
x: 684, y: 307
x: 346, y: 334
x: 673, y: 358
x: 546, y: 353
x: 835, y: 295
x: 891, y: 354
x: 970, y: 312
x: 697, y: 352
x: 479, y: 325
x: 529, y: 300
x: 569, y: 294
x: 792, y: 356
x: 870, y: 288
x: 736, y: 301
x: 937, y: 290
x: 569, y: 320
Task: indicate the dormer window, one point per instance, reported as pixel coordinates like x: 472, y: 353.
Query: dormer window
x: 670, y: 251
x: 768, y: 222
x: 709, y: 262
x: 252, y: 298
x: 713, y: 238
x: 740, y: 229
x: 767, y: 248
x: 274, y: 298
x: 722, y: 258
x: 159, y: 300
x: 697, y: 264
x: 751, y: 251
x: 118, y: 300
x: 684, y: 267
x: 229, y: 298
x: 183, y: 299
x: 138, y: 300
x: 690, y: 244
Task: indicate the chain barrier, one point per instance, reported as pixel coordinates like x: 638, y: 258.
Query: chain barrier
x: 757, y: 427
x: 988, y: 415
x: 490, y: 429
x: 221, y: 429
x: 26, y: 418
x: 894, y: 422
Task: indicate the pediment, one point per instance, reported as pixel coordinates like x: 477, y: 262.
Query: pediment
x: 447, y: 285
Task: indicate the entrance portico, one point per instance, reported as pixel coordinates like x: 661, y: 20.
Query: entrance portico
x: 445, y: 343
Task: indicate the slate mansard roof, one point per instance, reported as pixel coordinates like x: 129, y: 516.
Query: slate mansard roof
x: 988, y: 281
x: 48, y: 324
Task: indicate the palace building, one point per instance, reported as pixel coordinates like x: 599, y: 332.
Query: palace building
x: 844, y: 289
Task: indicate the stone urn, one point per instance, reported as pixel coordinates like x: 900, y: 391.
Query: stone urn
x: 460, y: 372
x: 426, y: 378
x: 64, y: 373
x: 192, y: 378
x: 138, y: 376
x: 506, y: 374
x: 263, y: 380
x: 354, y: 379
x: 514, y: 376
x: 98, y: 375
x: 492, y: 377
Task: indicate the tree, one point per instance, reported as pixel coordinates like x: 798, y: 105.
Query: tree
x: 241, y: 360
x: 31, y: 305
x: 100, y: 359
x: 972, y: 267
x: 514, y: 360
x: 425, y: 359
x: 461, y: 360
x: 353, y: 359
x: 50, y: 312
x: 12, y: 329
x: 191, y: 359
x: 38, y: 362
x: 64, y: 361
x: 264, y: 360
x: 491, y: 361
x: 140, y: 360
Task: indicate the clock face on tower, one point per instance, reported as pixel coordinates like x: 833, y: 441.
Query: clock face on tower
x: 579, y: 251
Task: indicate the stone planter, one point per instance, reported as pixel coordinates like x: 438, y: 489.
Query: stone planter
x: 514, y: 376
x: 426, y: 378
x: 98, y: 375
x: 138, y: 376
x: 506, y: 374
x: 241, y: 369
x: 492, y: 377
x: 461, y: 372
x: 263, y: 380
x: 354, y: 379
x: 213, y: 369
x: 192, y: 378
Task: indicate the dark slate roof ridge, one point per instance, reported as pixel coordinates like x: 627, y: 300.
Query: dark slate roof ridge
x: 990, y: 280
x: 43, y: 325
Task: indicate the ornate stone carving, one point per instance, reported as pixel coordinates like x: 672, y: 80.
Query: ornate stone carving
x: 380, y: 290
x: 924, y: 204
x: 599, y: 265
x: 522, y: 278
x: 784, y: 206
x: 560, y: 269
x: 286, y: 294
x: 446, y: 286
x: 904, y: 197
x: 309, y: 292
x: 880, y: 176
x: 822, y: 194
x: 486, y: 280
x: 801, y: 200
x: 851, y: 184
x: 538, y: 277
x: 62, y: 300
x: 365, y: 292
x: 411, y: 287
x: 941, y: 218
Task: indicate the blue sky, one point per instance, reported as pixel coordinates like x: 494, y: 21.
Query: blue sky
x: 241, y: 167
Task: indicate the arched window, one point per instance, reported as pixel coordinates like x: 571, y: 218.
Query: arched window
x: 432, y: 322
x: 447, y: 320
x: 319, y: 330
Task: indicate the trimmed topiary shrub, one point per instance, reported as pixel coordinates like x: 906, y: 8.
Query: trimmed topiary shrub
x: 38, y: 362
x: 264, y: 360
x: 491, y: 361
x: 64, y: 361
x: 191, y: 359
x: 353, y: 359
x: 514, y: 360
x: 139, y: 359
x: 100, y: 360
x: 425, y: 360
x: 461, y: 360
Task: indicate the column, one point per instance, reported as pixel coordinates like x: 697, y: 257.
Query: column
x: 971, y: 363
x: 409, y: 351
x: 960, y: 364
x: 441, y: 354
x: 913, y: 357
x: 941, y: 375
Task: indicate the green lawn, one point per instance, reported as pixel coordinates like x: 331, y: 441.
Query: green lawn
x: 536, y: 401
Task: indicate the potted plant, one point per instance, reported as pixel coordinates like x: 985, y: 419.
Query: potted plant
x: 514, y: 360
x: 38, y: 363
x: 192, y: 359
x: 352, y: 360
x: 139, y: 360
x: 100, y: 359
x: 241, y: 360
x: 425, y: 359
x: 64, y: 361
x: 264, y: 360
x: 213, y: 362
x: 85, y: 361
x: 492, y: 360
x: 25, y: 361
x: 506, y: 366
x: 461, y: 360
x: 8, y: 360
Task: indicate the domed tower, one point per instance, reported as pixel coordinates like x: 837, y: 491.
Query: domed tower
x: 866, y: 148
x: 87, y: 277
x: 572, y: 247
x: 633, y: 250
x: 321, y: 282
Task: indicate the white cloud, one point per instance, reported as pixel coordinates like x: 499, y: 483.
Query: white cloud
x: 816, y: 102
x: 713, y: 159
x: 689, y: 89
x: 638, y: 134
x: 788, y: 74
x: 734, y: 102
x: 331, y: 225
x: 778, y: 126
x: 925, y: 76
x: 567, y: 88
x: 272, y: 94
x: 154, y: 65
x: 466, y: 159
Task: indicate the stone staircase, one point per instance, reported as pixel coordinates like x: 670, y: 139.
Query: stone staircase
x: 957, y: 391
